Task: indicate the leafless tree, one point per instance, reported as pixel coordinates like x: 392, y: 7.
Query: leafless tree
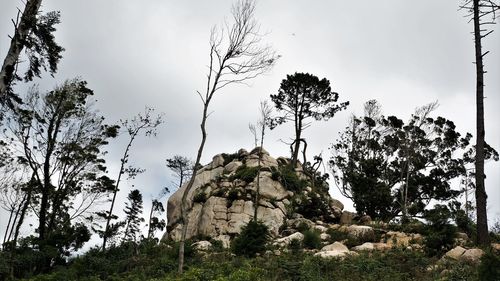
x: 236, y: 56
x: 265, y: 116
x: 482, y: 13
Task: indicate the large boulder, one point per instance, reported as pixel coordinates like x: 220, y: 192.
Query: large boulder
x: 285, y: 241
x: 335, y: 250
x: 361, y: 232
x: 221, y: 199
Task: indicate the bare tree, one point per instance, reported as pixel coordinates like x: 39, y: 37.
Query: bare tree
x: 236, y: 56
x: 145, y: 122
x: 265, y: 116
x: 482, y: 13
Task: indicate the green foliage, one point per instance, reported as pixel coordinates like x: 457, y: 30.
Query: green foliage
x: 245, y: 173
x: 233, y: 194
x: 440, y: 234
x: 382, y: 163
x: 489, y: 269
x: 295, y: 246
x: 312, y: 239
x: 252, y: 239
x: 337, y: 235
x: 317, y: 101
x: 287, y: 176
x: 228, y: 158
x: 133, y: 212
x: 200, y: 197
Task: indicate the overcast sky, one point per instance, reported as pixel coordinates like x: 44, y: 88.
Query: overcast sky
x: 155, y: 53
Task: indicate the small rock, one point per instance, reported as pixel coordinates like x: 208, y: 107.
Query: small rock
x: 336, y: 246
x: 202, y: 245
x: 324, y: 236
x: 347, y: 217
x: 285, y: 241
x: 364, y: 247
x: 472, y: 255
x: 455, y: 253
x: 366, y: 219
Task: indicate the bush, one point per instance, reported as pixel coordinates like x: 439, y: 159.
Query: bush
x: 312, y: 239
x: 440, y: 234
x: 252, y: 239
x: 489, y: 269
x: 228, y: 158
x: 289, y: 179
x: 200, y: 197
x: 336, y: 235
x: 295, y: 246
x: 245, y: 173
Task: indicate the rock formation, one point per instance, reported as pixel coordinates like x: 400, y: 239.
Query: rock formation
x: 223, y: 197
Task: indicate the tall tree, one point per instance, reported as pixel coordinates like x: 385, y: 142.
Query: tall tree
x: 154, y: 222
x: 482, y: 13
x: 146, y: 123
x: 302, y: 96
x: 133, y: 219
x: 35, y: 34
x: 236, y: 56
x: 60, y: 138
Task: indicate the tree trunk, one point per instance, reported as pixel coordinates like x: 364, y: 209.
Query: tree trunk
x: 481, y: 197
x: 28, y: 19
x: 184, y: 207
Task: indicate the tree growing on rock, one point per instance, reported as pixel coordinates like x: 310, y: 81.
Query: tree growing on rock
x: 300, y: 97
x: 236, y: 56
x: 182, y: 167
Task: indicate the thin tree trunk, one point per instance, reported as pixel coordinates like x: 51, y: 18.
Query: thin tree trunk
x: 115, y: 191
x: 28, y: 19
x: 8, y: 226
x: 481, y: 197
x: 184, y: 208
x: 150, y: 217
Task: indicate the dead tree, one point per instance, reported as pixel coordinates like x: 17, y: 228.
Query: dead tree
x: 236, y: 56
x: 482, y: 13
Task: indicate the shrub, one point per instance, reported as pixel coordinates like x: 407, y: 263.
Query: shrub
x: 489, y: 269
x: 336, y: 235
x: 312, y: 239
x: 245, y: 173
x: 290, y: 180
x: 232, y: 195
x: 295, y: 246
x: 228, y: 158
x: 252, y: 239
x: 440, y: 234
x: 200, y: 197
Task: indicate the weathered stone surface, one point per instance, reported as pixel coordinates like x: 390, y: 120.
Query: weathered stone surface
x: 222, y: 218
x: 174, y: 202
x: 455, y: 253
x: 361, y: 232
x: 320, y: 228
x: 294, y: 223
x: 324, y: 236
x: 202, y: 245
x: 364, y: 247
x: 396, y: 238
x: 268, y: 188
x: 381, y: 246
x: 285, y: 241
x: 347, y: 217
x: 337, y: 204
x: 233, y: 166
x: 472, y: 255
x: 366, y: 220
x: 336, y: 246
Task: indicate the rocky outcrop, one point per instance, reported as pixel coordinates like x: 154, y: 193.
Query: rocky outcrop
x: 222, y: 199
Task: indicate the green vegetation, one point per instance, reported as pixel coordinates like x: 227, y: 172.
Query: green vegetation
x: 312, y: 239
x: 159, y: 262
x: 252, y: 240
x: 245, y: 173
x: 287, y: 176
x: 200, y: 197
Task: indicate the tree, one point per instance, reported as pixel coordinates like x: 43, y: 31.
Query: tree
x: 182, y: 167
x: 145, y: 122
x: 154, y: 222
x: 389, y: 168
x: 133, y: 211
x: 478, y: 10
x: 60, y: 138
x: 236, y: 57
x: 35, y: 34
x: 302, y: 96
x: 265, y: 115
